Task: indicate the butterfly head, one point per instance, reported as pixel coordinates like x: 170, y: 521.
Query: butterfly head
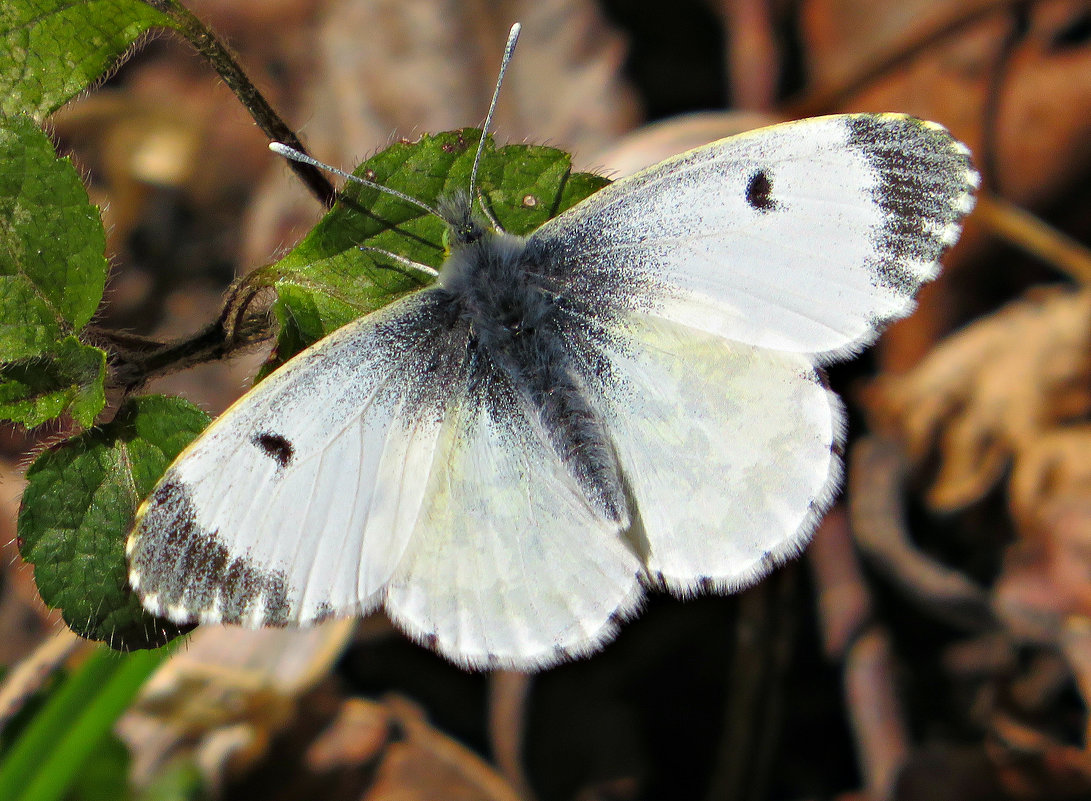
x: 464, y: 226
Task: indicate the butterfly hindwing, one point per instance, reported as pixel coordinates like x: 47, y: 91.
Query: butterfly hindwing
x: 299, y: 501
x: 802, y: 237
x: 730, y: 451
x: 512, y: 564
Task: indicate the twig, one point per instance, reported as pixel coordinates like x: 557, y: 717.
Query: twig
x: 216, y: 53
x: 990, y: 108
x: 752, y: 712
x: 1027, y: 232
x: 508, y: 693
x: 135, y: 360
x: 849, y: 633
x: 876, y: 473
x: 752, y: 53
x: 844, y: 605
x: 882, y: 740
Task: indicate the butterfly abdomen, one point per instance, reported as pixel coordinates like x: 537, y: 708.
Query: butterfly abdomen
x: 517, y: 320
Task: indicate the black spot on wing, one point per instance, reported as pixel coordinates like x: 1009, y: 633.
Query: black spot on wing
x: 924, y: 188
x: 275, y: 446
x: 188, y: 567
x: 759, y: 191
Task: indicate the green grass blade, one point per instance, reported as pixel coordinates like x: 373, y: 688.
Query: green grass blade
x: 49, y: 754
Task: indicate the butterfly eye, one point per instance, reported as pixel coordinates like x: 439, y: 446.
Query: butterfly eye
x: 468, y: 233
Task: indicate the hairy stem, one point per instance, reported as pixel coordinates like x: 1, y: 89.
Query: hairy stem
x: 221, y: 59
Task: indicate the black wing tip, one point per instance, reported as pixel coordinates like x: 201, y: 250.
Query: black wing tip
x: 184, y: 572
x: 925, y: 184
x: 929, y: 144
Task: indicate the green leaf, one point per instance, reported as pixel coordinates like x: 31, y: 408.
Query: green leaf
x: 78, y: 508
x: 52, y: 262
x: 326, y: 281
x: 70, y: 379
x: 51, y: 50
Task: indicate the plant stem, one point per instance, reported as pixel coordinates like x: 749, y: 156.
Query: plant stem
x: 216, y: 53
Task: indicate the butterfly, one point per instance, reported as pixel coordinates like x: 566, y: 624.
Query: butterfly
x: 630, y: 397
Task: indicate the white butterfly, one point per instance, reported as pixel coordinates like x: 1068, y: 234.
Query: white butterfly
x: 629, y: 397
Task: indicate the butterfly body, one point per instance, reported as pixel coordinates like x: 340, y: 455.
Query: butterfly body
x: 630, y: 396
x: 524, y: 332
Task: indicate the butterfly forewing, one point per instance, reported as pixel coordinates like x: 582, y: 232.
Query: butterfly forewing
x: 300, y: 500
x: 803, y: 237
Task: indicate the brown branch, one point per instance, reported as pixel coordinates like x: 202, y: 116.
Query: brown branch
x: 509, y: 693
x: 875, y: 712
x: 1020, y: 228
x: 753, y: 709
x: 216, y: 53
x: 850, y: 634
x: 135, y: 360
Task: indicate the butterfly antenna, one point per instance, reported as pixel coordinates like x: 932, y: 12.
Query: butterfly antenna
x: 509, y: 49
x: 296, y: 155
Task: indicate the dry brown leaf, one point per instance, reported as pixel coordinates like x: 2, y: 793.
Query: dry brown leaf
x: 844, y: 38
x: 851, y: 44
x: 1046, y: 578
x: 653, y: 143
x: 942, y: 59
x: 226, y: 694
x: 987, y: 396
x: 1031, y: 765
x: 1019, y: 97
x: 357, y: 735
x: 414, y: 762
x: 1044, y: 120
x: 1056, y: 466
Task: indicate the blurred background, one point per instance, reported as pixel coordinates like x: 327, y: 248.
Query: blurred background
x: 935, y: 640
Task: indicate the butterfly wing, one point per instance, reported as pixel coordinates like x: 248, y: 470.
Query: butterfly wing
x: 729, y: 450
x: 717, y: 281
x: 299, y: 501
x: 374, y: 469
x: 511, y: 564
x: 803, y: 237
